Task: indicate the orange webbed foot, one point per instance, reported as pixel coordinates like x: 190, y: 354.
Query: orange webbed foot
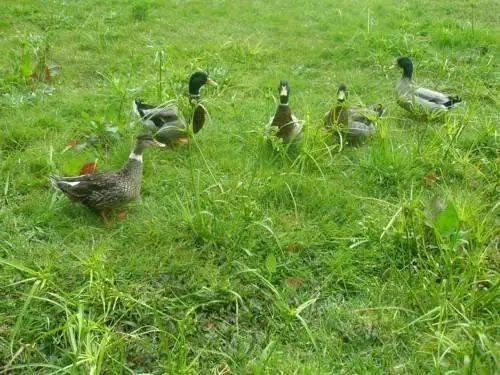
x: 121, y: 215
x: 104, y: 217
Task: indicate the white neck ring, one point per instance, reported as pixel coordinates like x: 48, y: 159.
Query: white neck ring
x: 135, y: 157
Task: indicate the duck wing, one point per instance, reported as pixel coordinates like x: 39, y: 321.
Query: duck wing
x: 157, y: 115
x: 172, y: 126
x: 432, y: 96
x: 171, y: 131
x: 296, y: 133
x: 79, y: 187
x: 97, y: 191
x: 162, y: 115
x: 358, y: 128
x: 434, y: 100
x: 358, y: 131
x: 366, y: 115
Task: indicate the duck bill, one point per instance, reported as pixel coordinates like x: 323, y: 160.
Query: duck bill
x: 157, y: 144
x: 211, y: 82
x: 284, y: 91
x: 341, y: 96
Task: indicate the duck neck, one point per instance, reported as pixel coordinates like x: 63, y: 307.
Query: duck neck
x: 133, y: 166
x: 137, y: 109
x: 194, y: 90
x: 340, y: 104
x: 135, y: 156
x: 339, y: 111
x: 407, y: 72
x: 194, y: 98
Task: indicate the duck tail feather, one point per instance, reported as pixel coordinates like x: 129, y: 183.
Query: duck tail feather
x: 135, y: 107
x: 455, y: 99
x: 380, y: 110
x: 54, y: 181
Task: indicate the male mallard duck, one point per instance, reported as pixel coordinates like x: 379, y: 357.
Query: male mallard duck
x: 409, y: 97
x: 356, y: 122
x: 108, y: 190
x: 289, y: 127
x: 167, y: 121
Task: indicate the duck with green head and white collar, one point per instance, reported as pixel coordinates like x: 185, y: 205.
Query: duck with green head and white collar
x: 286, y: 125
x: 414, y: 98
x: 167, y: 122
x: 355, y: 123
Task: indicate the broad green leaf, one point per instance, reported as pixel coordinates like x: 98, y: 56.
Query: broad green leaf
x: 447, y: 221
x: 271, y: 263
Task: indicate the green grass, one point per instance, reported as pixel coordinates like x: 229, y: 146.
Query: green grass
x: 239, y: 259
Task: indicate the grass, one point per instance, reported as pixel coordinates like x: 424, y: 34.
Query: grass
x: 381, y: 259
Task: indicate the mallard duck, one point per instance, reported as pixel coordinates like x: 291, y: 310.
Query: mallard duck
x: 410, y: 97
x: 289, y: 128
x: 167, y: 121
x: 107, y: 190
x: 356, y: 122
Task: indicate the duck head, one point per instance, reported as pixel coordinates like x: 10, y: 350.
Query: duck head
x: 342, y: 93
x: 197, y: 81
x: 144, y: 141
x: 284, y: 91
x: 404, y: 63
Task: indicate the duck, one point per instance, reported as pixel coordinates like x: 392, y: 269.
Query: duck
x: 287, y: 126
x: 410, y: 97
x: 356, y: 122
x: 166, y: 121
x: 105, y: 191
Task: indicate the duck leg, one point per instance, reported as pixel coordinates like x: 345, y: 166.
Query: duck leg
x: 104, y: 217
x: 121, y: 215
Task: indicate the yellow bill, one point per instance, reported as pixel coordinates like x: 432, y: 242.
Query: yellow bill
x: 211, y: 82
x: 157, y: 144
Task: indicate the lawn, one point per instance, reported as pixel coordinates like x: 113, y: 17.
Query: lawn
x: 241, y: 257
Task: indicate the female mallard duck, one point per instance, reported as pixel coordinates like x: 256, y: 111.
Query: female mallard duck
x: 356, y: 122
x: 108, y: 190
x: 167, y: 121
x: 409, y: 97
x: 289, y: 128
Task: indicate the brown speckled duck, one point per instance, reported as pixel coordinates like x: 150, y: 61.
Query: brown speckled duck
x: 354, y: 122
x: 166, y: 121
x: 108, y: 190
x: 288, y: 127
